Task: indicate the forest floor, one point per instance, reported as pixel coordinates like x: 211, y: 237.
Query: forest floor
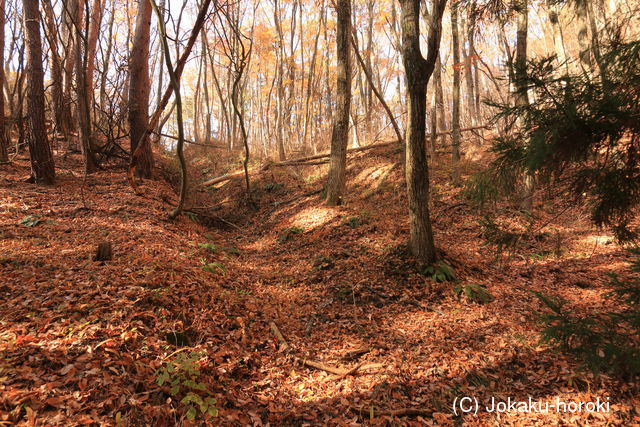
x: 191, y: 303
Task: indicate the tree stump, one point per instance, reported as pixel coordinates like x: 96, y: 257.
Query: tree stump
x: 104, y: 252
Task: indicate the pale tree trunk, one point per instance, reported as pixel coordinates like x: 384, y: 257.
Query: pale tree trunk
x: 207, y: 125
x: 94, y: 31
x: 280, y: 84
x: 107, y: 60
x: 455, y: 110
x: 595, y: 42
x: 468, y: 77
x: 311, y: 79
x: 556, y: 30
x: 522, y: 98
x: 418, y: 70
x: 583, y: 35
x: 438, y: 119
x: 139, y: 88
x: 340, y: 136
x: 375, y: 90
x: 42, y: 166
x: 470, y: 66
x: 4, y: 141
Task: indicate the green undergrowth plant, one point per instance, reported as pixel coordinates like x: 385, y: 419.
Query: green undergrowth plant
x: 213, y: 267
x: 289, y: 233
x: 603, y: 342
x: 182, y: 375
x: 30, y: 221
x: 474, y: 292
x: 440, y: 272
x: 273, y: 186
x: 209, y: 247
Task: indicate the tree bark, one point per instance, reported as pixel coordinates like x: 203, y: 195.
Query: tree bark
x: 42, y: 166
x: 556, y: 30
x: 139, y: 88
x: 522, y: 98
x: 418, y: 70
x: 583, y: 34
x: 57, y: 72
x: 95, y: 21
x: 340, y: 136
x: 84, y: 115
x: 455, y: 108
x: 4, y: 141
x: 280, y: 85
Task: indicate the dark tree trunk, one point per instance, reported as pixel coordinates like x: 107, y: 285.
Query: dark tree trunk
x: 418, y: 70
x: 42, y: 166
x: 84, y: 117
x: 139, y: 88
x: 340, y: 135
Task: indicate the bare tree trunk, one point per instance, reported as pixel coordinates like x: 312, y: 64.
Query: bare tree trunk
x: 583, y: 34
x: 42, y: 166
x: 438, y: 119
x: 175, y: 83
x: 84, y: 115
x: 418, y: 70
x: 94, y: 31
x: 455, y: 110
x: 556, y: 30
x: 340, y: 136
x: 4, y: 141
x: 375, y: 90
x: 522, y: 98
x: 67, y: 115
x: 57, y: 72
x: 280, y: 84
x: 106, y: 60
x: 139, y: 88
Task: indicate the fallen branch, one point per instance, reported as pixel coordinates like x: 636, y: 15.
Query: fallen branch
x: 407, y: 412
x: 341, y: 372
x: 284, y: 346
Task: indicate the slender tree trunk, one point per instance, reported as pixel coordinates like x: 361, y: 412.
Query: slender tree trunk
x: 375, y: 90
x: 139, y: 88
x: 438, y: 119
x: 4, y: 141
x: 57, y: 72
x: 418, y: 70
x: 556, y: 30
x: 42, y: 166
x: 280, y: 84
x: 107, y: 60
x: 340, y: 136
x: 67, y: 115
x: 595, y: 42
x: 95, y: 21
x: 522, y: 98
x: 84, y: 115
x: 455, y: 110
x: 583, y: 35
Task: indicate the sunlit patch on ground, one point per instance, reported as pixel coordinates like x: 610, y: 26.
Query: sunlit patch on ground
x: 314, y: 217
